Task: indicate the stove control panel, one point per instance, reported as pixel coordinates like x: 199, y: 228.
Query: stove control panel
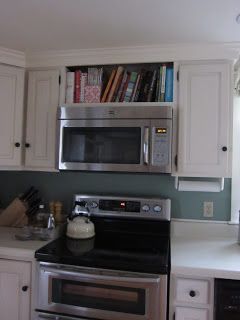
x: 146, y: 208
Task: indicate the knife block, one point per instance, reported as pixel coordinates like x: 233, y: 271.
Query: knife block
x: 14, y: 215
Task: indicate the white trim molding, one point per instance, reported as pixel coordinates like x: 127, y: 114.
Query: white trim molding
x: 235, y: 199
x: 12, y: 57
x: 141, y: 54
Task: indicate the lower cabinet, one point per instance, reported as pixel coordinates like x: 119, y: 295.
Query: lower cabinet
x: 182, y: 313
x: 15, y: 287
x: 191, y: 298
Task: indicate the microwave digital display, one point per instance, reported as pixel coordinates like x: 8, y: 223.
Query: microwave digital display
x: 161, y: 130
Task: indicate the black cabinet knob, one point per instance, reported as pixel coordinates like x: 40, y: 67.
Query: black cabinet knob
x: 224, y: 148
x: 192, y: 293
x: 24, y: 288
x: 27, y: 145
x: 17, y: 144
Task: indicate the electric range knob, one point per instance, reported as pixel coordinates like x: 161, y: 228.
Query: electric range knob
x: 145, y: 208
x: 93, y: 204
x: 157, y: 209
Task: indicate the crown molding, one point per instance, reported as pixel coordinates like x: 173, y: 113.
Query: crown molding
x: 143, y: 54
x: 117, y: 55
x: 12, y: 57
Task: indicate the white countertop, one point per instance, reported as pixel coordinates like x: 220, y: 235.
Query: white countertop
x: 11, y: 248
x: 199, y: 253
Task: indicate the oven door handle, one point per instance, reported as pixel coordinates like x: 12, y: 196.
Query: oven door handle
x: 99, y: 275
x: 146, y: 146
x: 57, y: 317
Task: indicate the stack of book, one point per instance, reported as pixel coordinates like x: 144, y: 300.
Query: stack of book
x: 145, y: 85
x: 142, y: 86
x: 84, y: 86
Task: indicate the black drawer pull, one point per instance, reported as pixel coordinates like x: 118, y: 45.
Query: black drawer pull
x: 24, y: 288
x: 27, y: 145
x: 224, y: 148
x: 17, y: 144
x: 192, y: 293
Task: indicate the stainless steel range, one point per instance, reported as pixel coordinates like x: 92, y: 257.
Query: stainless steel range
x: 121, y: 273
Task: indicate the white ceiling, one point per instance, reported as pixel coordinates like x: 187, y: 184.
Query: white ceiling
x: 33, y: 25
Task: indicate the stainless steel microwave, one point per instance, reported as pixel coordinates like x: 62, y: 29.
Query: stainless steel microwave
x: 115, y: 138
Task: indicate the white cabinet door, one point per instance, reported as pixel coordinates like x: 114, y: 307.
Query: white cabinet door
x: 205, y: 115
x: 43, y: 97
x: 191, y: 314
x: 11, y: 119
x: 15, y: 290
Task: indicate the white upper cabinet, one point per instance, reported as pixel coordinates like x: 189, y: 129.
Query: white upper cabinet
x: 11, y: 119
x: 205, y: 115
x: 43, y: 97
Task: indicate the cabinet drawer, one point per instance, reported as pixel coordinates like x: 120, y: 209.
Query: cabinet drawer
x: 192, y: 291
x: 191, y: 314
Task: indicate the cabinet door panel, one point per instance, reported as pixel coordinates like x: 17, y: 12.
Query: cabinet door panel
x: 191, y: 314
x: 11, y: 120
x: 14, y: 302
x: 43, y: 94
x: 204, y: 120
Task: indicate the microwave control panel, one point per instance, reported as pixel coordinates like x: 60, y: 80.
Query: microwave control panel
x: 160, y: 146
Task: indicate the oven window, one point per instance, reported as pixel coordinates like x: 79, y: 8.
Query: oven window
x: 99, y: 296
x: 102, y: 145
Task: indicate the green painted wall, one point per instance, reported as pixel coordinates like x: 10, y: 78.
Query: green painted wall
x: 62, y: 186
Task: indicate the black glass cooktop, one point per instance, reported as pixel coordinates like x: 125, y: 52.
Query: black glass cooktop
x: 118, y: 246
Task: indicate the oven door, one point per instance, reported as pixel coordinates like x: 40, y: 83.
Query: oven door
x: 104, y: 145
x: 101, y: 294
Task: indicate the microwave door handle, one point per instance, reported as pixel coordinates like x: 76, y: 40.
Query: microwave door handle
x: 146, y: 146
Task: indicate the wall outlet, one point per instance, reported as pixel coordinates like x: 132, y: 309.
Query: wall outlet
x: 208, y: 209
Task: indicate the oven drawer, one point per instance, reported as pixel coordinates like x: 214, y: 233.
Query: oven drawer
x: 192, y: 290
x: 104, y: 294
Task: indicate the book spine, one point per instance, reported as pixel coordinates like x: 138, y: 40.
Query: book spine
x: 169, y: 85
x: 125, y: 88
x: 124, y: 78
x: 162, y: 96
x: 135, y: 88
x: 70, y: 87
x: 104, y: 97
x: 117, y: 87
x: 147, y: 81
x: 157, y: 85
x: 114, y: 84
x: 151, y: 87
x: 140, y: 87
x: 160, y: 84
x: 83, y: 84
x: 130, y: 87
x: 77, y: 83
